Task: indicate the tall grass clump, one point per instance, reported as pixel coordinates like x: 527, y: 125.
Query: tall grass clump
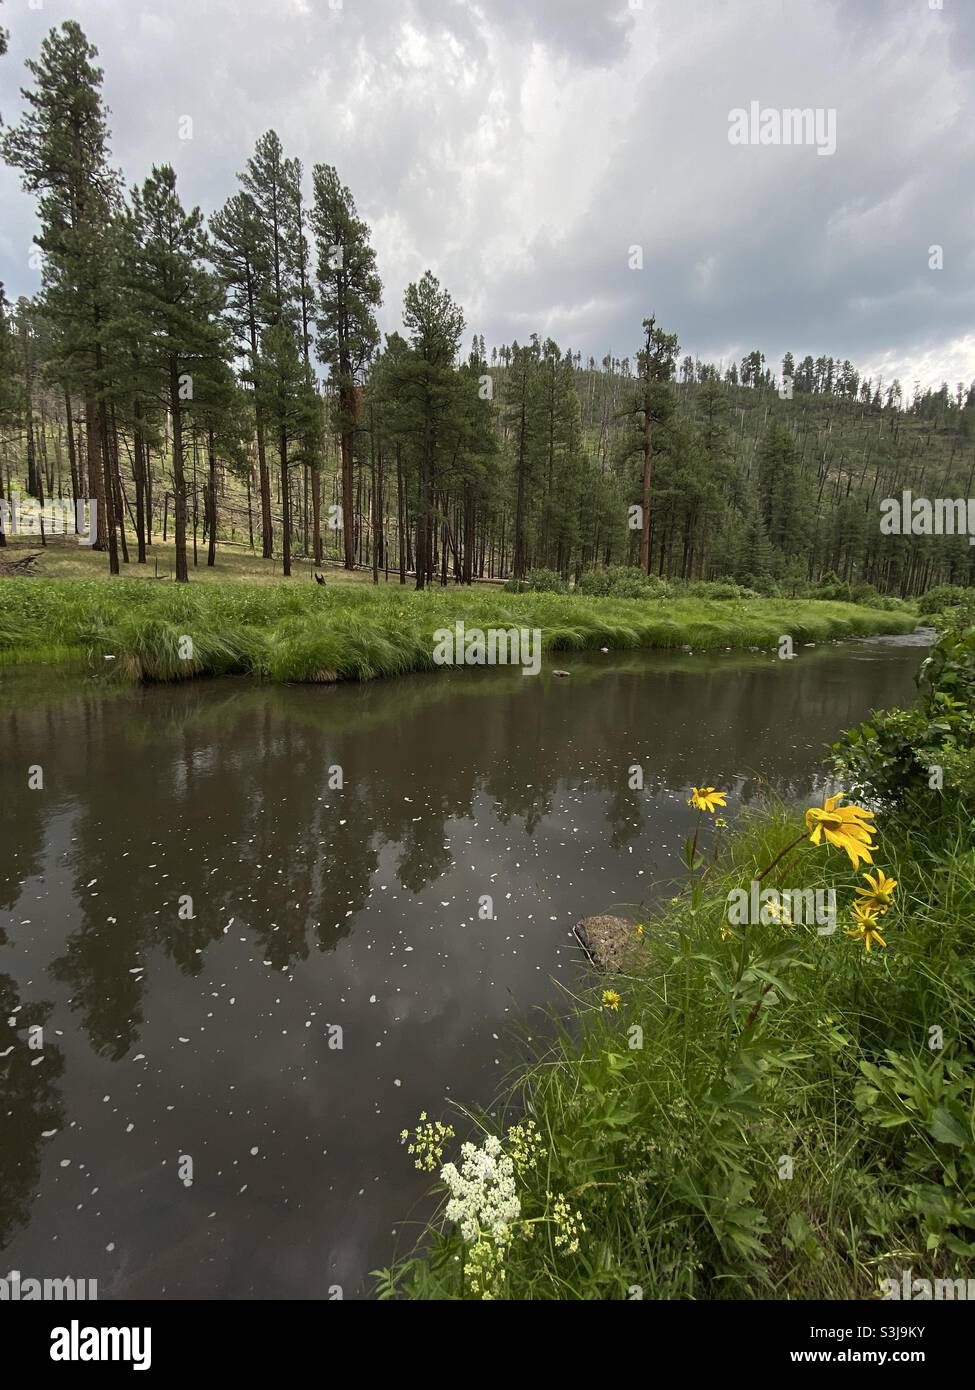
x: 750, y: 1111
x: 309, y: 633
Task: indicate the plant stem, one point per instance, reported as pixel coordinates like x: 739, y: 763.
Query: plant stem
x: 781, y: 855
x: 697, y: 828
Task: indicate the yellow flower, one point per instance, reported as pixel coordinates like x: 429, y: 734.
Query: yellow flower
x: 707, y: 799
x: 843, y: 826
x: 879, y: 896
x: 611, y: 999
x: 639, y: 929
x: 866, y: 927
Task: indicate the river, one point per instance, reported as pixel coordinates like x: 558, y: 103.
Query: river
x: 227, y: 982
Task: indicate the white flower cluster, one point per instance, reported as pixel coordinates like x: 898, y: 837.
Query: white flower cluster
x: 482, y: 1193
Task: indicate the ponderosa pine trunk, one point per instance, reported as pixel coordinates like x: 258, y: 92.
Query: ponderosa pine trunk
x: 316, y: 513
x: 647, y: 484
x: 267, y: 525
x: 179, y: 480
x: 285, y: 507
x: 348, y: 499
x: 107, y: 475
x: 139, y: 445
x: 72, y: 456
x: 212, y: 499
x: 401, y: 514
x: 96, y: 476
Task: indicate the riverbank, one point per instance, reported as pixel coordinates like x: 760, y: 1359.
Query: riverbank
x: 751, y: 1111
x: 322, y: 633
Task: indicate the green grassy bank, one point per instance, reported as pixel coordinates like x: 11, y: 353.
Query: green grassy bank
x: 756, y: 1111
x: 352, y: 632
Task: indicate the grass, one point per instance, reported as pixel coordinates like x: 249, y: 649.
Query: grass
x: 302, y: 632
x: 64, y: 558
x: 765, y: 1115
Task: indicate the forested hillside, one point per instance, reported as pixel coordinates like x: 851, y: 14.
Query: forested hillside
x: 223, y: 380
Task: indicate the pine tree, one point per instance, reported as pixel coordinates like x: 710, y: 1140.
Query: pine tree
x: 178, y: 302
x: 349, y: 292
x: 656, y: 366
x: 430, y: 396
x: 60, y: 146
x: 239, y: 250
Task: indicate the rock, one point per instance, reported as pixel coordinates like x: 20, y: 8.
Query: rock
x: 561, y: 673
x: 611, y: 943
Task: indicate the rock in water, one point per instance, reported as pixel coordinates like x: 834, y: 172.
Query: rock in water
x: 611, y: 943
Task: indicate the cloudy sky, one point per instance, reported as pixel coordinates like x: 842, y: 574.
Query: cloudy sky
x: 522, y: 148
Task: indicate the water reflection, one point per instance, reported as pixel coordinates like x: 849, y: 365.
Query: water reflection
x: 197, y: 905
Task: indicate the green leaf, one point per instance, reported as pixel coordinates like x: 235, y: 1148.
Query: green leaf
x: 946, y: 1129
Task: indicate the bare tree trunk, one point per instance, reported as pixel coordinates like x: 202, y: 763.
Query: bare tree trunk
x: 212, y: 499
x: 401, y: 515
x: 117, y: 490
x: 179, y: 480
x: 647, y: 484
x: 376, y: 515
x: 267, y: 528
x: 140, y: 482
x: 96, y: 477
x: 348, y: 405
x: 285, y: 506
x: 72, y: 456
x: 316, y: 509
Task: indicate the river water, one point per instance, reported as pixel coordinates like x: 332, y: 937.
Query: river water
x: 228, y: 982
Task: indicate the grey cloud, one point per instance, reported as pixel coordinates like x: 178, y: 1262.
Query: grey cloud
x: 519, y: 147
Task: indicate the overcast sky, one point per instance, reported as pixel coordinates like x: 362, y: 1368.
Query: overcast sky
x: 521, y: 148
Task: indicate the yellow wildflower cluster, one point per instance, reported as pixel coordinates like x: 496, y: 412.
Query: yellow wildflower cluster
x: 484, y: 1269
x: 427, y: 1143
x: 877, y: 900
x: 569, y: 1225
x: 525, y: 1146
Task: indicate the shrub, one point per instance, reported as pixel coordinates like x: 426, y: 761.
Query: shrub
x: 622, y: 581
x: 540, y: 581
x: 948, y: 599
x: 896, y: 756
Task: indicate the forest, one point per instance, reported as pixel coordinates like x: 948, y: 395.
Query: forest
x: 221, y: 381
